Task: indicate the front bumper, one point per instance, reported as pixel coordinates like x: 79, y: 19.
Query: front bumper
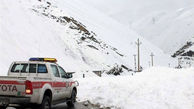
x: 5, y: 100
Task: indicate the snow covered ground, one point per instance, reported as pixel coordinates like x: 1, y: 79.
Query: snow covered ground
x: 154, y: 88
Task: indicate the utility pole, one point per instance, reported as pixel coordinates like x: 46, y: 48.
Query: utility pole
x: 168, y: 64
x: 135, y: 62
x: 179, y: 62
x: 149, y: 63
x: 152, y: 59
x: 138, y: 54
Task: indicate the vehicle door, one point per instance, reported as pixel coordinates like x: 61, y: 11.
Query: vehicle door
x: 57, y: 83
x: 66, y: 89
x: 70, y: 82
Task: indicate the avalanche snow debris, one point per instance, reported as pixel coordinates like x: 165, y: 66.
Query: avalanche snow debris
x: 155, y: 88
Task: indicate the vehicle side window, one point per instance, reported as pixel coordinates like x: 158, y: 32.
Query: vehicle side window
x: 62, y: 72
x: 42, y: 68
x: 23, y: 68
x: 32, y: 68
x: 55, y: 71
x: 16, y: 68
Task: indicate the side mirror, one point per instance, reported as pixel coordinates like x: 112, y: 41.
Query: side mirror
x: 68, y: 75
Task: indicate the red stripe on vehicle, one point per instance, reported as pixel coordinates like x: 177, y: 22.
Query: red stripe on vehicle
x: 12, y: 82
x: 59, y: 84
x: 37, y: 85
x: 72, y: 83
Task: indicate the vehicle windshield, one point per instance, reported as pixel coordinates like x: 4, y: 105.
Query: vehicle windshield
x: 29, y: 68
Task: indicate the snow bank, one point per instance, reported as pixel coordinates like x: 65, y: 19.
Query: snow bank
x: 155, y: 88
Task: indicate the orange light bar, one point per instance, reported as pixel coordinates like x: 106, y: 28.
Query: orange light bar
x: 50, y: 60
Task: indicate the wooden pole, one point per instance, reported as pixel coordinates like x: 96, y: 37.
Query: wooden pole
x: 168, y: 64
x: 135, y: 62
x: 149, y: 63
x: 138, y: 54
x: 179, y: 63
x: 152, y: 59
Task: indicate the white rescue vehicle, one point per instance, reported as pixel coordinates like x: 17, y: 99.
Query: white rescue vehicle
x: 40, y: 82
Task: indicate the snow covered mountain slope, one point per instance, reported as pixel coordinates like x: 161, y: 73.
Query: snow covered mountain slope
x: 166, y: 23
x: 79, y: 36
x: 129, y: 11
x: 169, y: 31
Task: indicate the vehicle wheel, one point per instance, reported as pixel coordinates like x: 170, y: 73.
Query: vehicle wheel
x: 72, y: 100
x: 20, y: 107
x: 46, y: 103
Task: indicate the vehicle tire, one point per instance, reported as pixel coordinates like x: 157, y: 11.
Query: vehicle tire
x: 46, y: 103
x: 72, y: 100
x: 21, y: 107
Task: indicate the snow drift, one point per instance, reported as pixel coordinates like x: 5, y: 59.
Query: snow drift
x: 155, y: 88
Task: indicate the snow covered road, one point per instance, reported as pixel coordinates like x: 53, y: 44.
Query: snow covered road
x: 155, y: 88
x: 78, y: 105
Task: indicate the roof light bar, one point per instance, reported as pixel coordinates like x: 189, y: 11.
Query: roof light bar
x: 44, y: 59
x: 36, y: 59
x: 50, y: 60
